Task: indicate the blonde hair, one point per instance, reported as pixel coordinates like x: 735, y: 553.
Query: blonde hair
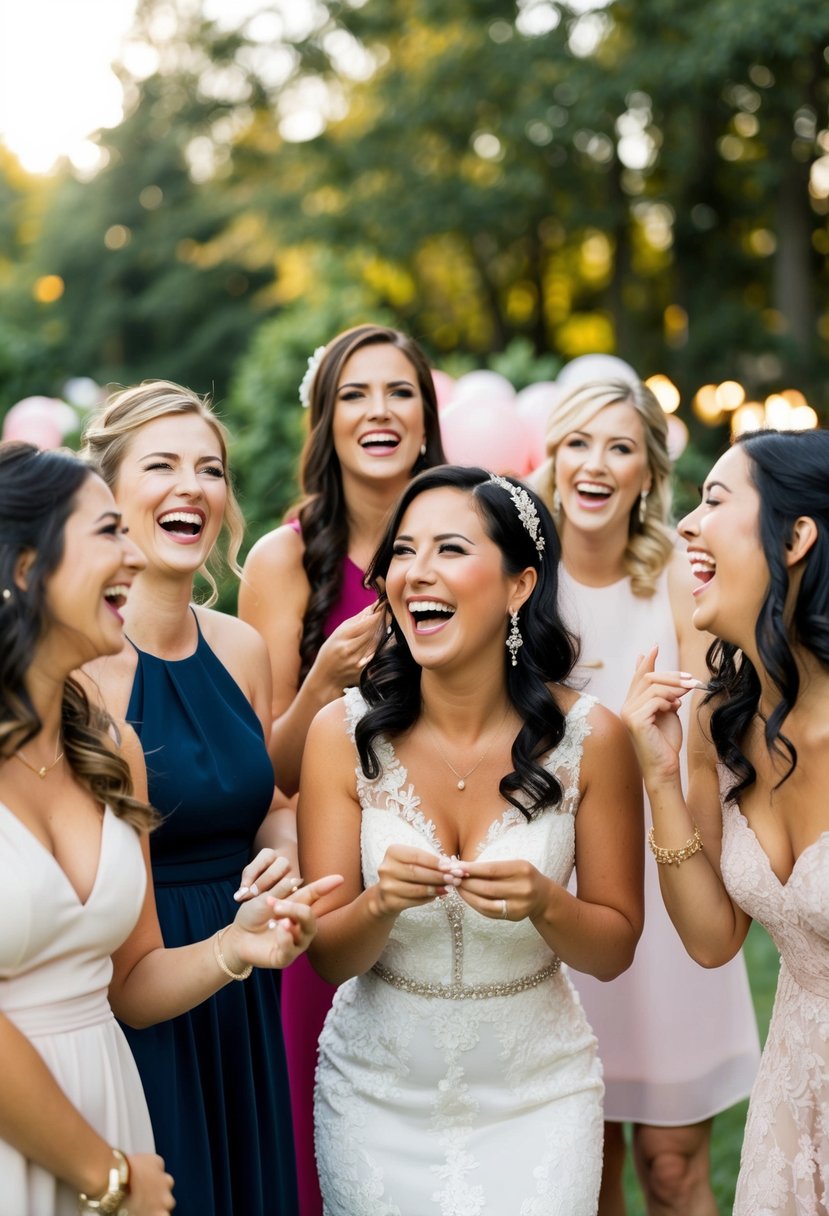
x: 650, y: 541
x: 108, y: 434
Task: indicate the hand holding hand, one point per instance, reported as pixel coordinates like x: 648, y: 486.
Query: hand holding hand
x: 271, y: 932
x: 268, y: 871
x: 650, y: 714
x: 408, y: 878
x: 151, y: 1187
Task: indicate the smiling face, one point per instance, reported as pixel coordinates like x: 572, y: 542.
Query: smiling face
x: 601, y: 469
x: 171, y: 488
x: 90, y: 585
x: 446, y: 583
x: 726, y: 555
x: 378, y: 426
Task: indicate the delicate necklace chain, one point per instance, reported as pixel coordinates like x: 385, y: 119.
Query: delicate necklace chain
x: 462, y: 777
x: 44, y: 768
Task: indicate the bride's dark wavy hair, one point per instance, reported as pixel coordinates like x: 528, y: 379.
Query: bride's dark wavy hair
x: 390, y: 682
x: 38, y: 491
x: 790, y: 470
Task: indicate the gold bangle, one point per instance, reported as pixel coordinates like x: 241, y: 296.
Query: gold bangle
x: 675, y: 857
x: 220, y: 958
x: 111, y: 1201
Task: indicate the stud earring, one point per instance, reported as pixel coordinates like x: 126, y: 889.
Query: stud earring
x: 514, y: 640
x: 643, y: 506
x: 556, y: 505
x: 6, y: 593
x: 423, y: 449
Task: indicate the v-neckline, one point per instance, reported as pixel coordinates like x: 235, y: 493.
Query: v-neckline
x: 781, y: 883
x: 509, y: 819
x: 29, y: 834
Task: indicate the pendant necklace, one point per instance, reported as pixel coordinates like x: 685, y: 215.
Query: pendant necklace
x: 44, y: 768
x: 462, y: 777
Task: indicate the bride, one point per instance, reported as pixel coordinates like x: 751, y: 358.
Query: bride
x: 456, y: 790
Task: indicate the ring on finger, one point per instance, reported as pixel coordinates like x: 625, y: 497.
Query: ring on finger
x: 504, y: 909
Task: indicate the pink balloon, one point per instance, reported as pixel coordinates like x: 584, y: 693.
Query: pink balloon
x: 35, y: 428
x: 534, y: 405
x: 485, y: 432
x: 50, y: 408
x: 444, y: 387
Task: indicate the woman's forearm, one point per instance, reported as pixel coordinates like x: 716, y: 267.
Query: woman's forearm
x: 350, y: 939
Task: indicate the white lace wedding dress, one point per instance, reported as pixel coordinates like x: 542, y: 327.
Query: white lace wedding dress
x: 459, y: 1076
x: 784, y: 1168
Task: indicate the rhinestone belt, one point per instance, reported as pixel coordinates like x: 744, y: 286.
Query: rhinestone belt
x: 465, y: 992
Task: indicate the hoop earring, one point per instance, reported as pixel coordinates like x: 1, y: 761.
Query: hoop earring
x: 556, y: 505
x: 514, y: 640
x: 643, y: 506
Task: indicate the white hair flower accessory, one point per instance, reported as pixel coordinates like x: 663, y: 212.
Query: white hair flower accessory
x: 307, y: 383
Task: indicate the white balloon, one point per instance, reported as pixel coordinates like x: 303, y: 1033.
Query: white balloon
x: 82, y: 391
x: 489, y: 386
x: 594, y: 367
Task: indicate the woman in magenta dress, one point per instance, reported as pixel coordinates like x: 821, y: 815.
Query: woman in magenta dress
x: 374, y: 424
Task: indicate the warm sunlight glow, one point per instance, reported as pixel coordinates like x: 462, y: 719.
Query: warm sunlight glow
x: 56, y: 86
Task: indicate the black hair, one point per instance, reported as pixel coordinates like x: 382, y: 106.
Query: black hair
x: 790, y: 470
x: 38, y: 492
x: 390, y: 682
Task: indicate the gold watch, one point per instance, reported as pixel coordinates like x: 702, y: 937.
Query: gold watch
x: 112, y: 1199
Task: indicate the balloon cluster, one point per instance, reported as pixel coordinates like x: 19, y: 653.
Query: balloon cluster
x: 484, y: 421
x: 46, y: 421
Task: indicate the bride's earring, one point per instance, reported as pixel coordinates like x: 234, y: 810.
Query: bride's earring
x: 643, y: 506
x: 514, y: 640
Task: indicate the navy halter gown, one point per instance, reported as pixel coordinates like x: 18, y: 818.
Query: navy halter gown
x: 215, y: 1077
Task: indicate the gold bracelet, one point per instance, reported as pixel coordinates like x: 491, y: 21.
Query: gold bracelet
x: 220, y: 958
x: 675, y: 857
x: 111, y: 1201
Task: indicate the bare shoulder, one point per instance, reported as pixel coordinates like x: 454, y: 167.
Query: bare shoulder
x: 108, y: 681
x: 236, y: 643
x: 276, y: 554
x: 330, y: 723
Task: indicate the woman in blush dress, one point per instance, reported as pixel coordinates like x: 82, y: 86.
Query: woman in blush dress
x: 75, y: 889
x: 752, y: 837
x: 458, y: 787
x: 195, y: 684
x: 374, y: 422
x: 678, y: 1044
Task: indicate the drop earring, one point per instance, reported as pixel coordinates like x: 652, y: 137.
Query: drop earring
x: 514, y: 639
x: 643, y: 506
x: 556, y: 505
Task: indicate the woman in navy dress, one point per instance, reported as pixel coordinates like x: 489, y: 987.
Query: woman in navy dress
x: 195, y: 684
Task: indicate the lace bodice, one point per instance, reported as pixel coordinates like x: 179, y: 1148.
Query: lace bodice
x: 447, y: 943
x: 784, y: 1169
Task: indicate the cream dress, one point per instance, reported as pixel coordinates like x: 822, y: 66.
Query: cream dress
x: 55, y: 970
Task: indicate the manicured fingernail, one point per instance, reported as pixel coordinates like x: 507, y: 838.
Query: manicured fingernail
x: 238, y: 894
x: 254, y: 890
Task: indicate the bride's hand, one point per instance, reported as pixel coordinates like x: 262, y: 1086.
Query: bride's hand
x: 407, y: 878
x: 504, y: 890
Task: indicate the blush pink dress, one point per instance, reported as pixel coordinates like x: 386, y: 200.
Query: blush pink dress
x: 678, y: 1042
x: 306, y: 998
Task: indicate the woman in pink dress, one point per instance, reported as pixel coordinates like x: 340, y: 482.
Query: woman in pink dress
x: 678, y: 1044
x: 752, y: 837
x: 374, y: 424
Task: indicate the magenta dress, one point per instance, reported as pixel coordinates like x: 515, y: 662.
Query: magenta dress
x: 306, y: 998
